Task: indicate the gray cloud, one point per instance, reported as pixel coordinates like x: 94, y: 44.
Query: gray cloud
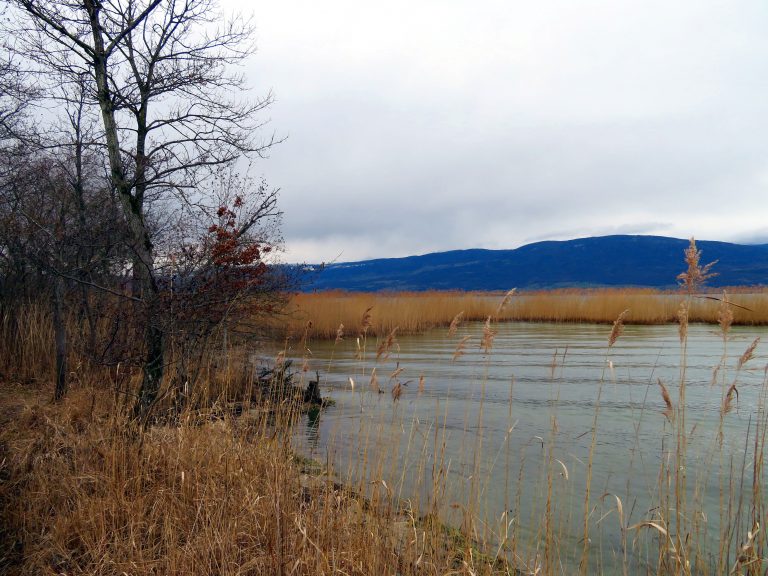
x: 433, y: 126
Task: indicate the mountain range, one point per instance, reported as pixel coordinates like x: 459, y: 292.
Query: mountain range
x: 604, y: 261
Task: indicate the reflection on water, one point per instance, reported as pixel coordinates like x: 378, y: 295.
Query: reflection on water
x: 486, y: 431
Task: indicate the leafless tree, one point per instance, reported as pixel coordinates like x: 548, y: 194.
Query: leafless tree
x: 59, y: 237
x: 160, y: 74
x: 15, y: 97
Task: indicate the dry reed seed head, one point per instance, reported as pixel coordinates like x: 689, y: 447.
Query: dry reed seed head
x: 715, y: 372
x: 725, y: 314
x: 421, y: 383
x: 397, y: 391
x: 618, y: 328
x: 339, y: 333
x: 728, y: 400
x: 505, y: 301
x: 455, y: 323
x: 398, y: 370
x: 488, y: 335
x: 374, y: 382
x: 749, y: 353
x: 670, y: 410
x: 682, y: 318
x: 365, y: 322
x: 696, y: 275
x: 460, y: 347
x: 387, y: 344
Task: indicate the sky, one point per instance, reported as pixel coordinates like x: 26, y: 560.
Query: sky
x: 431, y: 125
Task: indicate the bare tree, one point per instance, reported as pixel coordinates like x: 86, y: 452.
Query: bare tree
x: 59, y: 237
x: 15, y: 97
x: 159, y: 72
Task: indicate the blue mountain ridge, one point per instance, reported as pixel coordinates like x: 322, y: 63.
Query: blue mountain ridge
x: 604, y: 261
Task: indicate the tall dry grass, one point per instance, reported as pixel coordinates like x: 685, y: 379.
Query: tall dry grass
x: 413, y: 312
x: 674, y: 534
x: 26, y: 342
x: 83, y: 490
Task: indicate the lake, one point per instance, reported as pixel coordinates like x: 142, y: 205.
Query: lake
x: 500, y: 443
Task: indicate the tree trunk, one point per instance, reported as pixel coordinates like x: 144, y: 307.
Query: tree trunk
x: 143, y: 262
x: 60, y: 334
x: 154, y: 339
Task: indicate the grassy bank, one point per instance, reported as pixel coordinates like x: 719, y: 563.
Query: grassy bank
x: 414, y: 312
x: 80, y: 493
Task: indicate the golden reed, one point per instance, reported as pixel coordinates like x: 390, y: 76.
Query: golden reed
x: 410, y: 312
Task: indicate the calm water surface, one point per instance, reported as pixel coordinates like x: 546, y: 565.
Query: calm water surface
x: 483, y: 433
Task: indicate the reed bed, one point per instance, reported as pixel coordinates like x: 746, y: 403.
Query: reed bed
x: 27, y: 342
x: 80, y: 493
x: 557, y: 518
x: 322, y: 313
x: 84, y: 491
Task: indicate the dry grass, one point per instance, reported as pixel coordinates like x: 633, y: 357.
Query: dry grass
x: 673, y: 535
x: 82, y: 494
x: 83, y: 491
x: 27, y: 340
x: 414, y: 312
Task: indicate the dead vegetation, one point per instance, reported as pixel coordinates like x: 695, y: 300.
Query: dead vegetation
x: 412, y: 312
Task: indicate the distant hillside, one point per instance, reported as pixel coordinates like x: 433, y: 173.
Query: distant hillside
x: 648, y: 261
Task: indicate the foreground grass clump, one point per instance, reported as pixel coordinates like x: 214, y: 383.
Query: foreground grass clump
x: 413, y: 312
x: 82, y: 493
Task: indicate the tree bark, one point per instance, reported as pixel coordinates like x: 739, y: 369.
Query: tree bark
x: 143, y: 262
x: 60, y: 336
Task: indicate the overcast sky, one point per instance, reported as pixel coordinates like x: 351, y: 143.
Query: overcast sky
x: 432, y: 125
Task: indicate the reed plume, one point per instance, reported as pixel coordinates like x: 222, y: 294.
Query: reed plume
x: 460, y: 347
x: 725, y: 315
x: 374, y: 384
x: 455, y: 323
x: 670, y: 411
x: 749, y: 353
x: 397, y: 371
x: 488, y: 335
x: 618, y: 328
x: 728, y: 400
x: 504, y: 302
x: 387, y: 344
x: 365, y: 322
x: 696, y: 274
